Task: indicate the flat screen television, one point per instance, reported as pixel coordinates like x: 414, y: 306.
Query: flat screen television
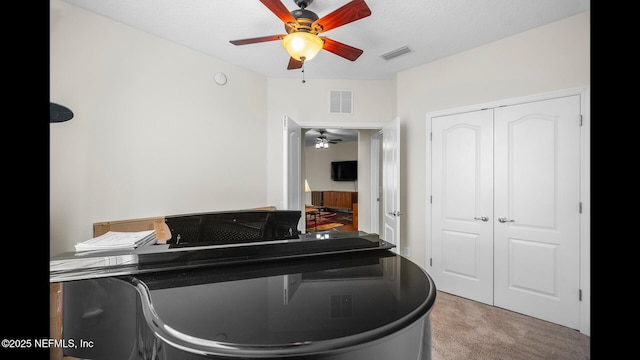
x: 344, y: 170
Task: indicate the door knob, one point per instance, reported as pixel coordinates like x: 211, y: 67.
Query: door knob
x: 483, y: 218
x: 504, y: 220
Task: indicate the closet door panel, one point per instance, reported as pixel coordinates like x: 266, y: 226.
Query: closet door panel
x: 530, y: 171
x: 537, y: 195
x: 462, y: 232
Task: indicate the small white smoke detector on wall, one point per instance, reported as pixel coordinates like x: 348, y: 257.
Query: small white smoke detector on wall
x: 220, y: 78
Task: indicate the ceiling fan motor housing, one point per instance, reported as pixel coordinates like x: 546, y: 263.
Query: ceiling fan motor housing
x: 305, y: 19
x: 303, y: 3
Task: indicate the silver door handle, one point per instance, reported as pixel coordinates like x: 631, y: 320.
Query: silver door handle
x: 504, y: 220
x: 395, y: 213
x: 483, y: 218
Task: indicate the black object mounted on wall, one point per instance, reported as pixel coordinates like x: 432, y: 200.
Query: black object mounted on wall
x: 344, y: 170
x: 59, y: 113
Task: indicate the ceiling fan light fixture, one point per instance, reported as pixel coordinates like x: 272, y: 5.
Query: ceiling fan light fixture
x: 322, y: 143
x: 302, y: 44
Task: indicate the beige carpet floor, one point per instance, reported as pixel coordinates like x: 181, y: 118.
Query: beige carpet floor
x: 468, y: 330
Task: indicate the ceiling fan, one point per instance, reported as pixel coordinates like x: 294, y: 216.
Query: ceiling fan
x: 322, y: 141
x: 303, y: 26
x: 322, y: 136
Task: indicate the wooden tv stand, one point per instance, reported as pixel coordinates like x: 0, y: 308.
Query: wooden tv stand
x: 335, y: 199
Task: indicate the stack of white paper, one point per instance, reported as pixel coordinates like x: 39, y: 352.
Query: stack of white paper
x: 114, y: 240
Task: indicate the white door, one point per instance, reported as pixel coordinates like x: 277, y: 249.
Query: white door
x: 292, y: 191
x: 537, y: 205
x: 462, y: 204
x: 391, y: 183
x: 533, y: 208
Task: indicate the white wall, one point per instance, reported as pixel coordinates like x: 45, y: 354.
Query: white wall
x: 552, y: 57
x: 308, y: 104
x: 145, y: 137
x: 549, y: 58
x: 318, y: 166
x: 152, y: 133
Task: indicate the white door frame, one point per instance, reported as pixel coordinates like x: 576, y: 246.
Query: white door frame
x: 376, y: 183
x: 585, y: 185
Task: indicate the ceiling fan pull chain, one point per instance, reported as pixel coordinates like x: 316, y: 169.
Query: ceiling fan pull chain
x: 302, y: 61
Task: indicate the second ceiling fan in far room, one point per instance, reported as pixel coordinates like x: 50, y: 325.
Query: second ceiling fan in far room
x: 302, y: 41
x: 322, y: 141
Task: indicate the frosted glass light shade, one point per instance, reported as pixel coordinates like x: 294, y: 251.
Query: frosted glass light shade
x: 302, y: 44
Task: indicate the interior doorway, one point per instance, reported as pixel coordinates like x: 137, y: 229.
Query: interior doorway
x: 330, y: 173
x: 389, y: 158
x: 361, y: 151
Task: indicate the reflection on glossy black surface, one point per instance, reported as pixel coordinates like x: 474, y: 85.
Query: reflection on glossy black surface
x: 327, y: 306
x: 344, y: 299
x: 162, y: 257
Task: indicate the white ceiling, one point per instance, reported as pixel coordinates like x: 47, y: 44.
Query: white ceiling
x: 432, y: 29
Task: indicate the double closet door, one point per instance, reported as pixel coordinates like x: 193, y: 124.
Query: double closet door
x: 506, y: 207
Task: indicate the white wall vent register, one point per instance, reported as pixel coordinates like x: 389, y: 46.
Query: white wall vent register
x: 341, y: 101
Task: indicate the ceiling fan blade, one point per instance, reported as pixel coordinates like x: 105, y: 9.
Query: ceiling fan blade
x: 294, y: 64
x: 281, y: 11
x: 256, y: 40
x: 352, y: 11
x: 340, y: 49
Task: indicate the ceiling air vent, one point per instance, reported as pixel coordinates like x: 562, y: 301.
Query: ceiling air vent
x: 340, y: 101
x: 395, y: 53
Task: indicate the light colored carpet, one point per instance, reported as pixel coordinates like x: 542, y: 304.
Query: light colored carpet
x: 464, y: 329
